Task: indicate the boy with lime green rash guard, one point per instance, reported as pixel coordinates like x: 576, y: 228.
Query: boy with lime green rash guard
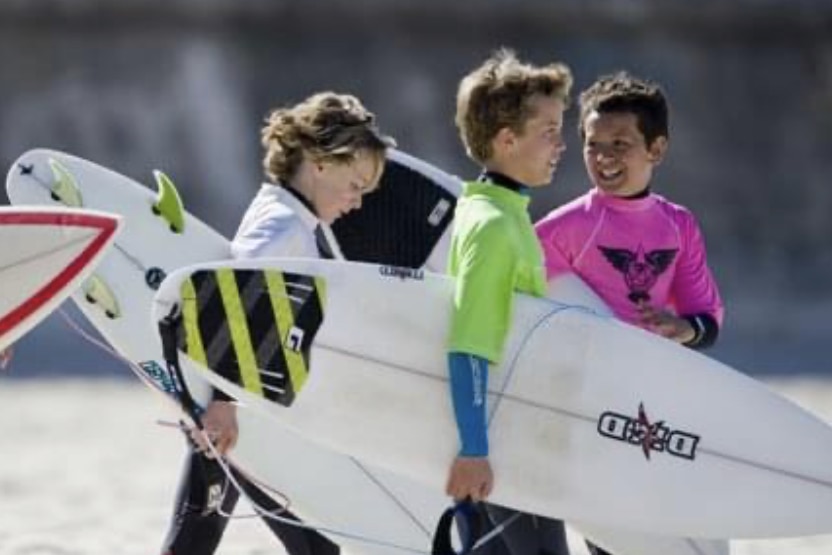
x: 510, y: 118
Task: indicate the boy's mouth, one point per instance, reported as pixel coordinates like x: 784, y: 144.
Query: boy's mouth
x: 609, y: 175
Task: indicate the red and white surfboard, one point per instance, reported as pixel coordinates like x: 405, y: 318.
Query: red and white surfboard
x: 45, y: 254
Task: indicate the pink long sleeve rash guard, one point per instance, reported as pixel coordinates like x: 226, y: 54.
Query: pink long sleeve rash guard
x: 629, y: 250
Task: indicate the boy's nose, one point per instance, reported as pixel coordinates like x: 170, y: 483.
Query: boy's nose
x: 604, y: 155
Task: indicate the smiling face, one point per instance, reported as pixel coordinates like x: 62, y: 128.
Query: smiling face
x: 616, y: 155
x: 337, y: 187
x: 531, y: 156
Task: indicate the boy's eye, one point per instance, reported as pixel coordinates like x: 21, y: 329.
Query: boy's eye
x: 359, y: 188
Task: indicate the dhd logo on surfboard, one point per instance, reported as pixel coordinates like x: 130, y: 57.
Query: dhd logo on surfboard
x: 651, y: 436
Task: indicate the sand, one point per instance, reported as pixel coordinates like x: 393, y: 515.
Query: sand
x: 86, y: 470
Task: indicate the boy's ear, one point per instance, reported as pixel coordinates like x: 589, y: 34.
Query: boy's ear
x: 657, y: 150
x: 504, y: 140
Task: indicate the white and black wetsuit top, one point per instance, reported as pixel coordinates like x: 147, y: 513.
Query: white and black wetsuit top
x: 278, y: 222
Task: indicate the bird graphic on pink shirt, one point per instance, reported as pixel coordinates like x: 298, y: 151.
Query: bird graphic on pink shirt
x: 640, y: 269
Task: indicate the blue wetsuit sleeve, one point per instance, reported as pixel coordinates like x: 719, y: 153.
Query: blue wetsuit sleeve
x: 469, y: 379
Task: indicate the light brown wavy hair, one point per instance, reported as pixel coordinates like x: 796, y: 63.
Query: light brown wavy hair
x: 497, y: 94
x: 326, y: 127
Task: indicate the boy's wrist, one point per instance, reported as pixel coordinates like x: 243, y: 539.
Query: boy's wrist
x: 474, y: 447
x: 706, y: 328
x: 689, y: 333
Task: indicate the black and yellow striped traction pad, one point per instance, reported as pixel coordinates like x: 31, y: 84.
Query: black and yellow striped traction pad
x: 253, y: 327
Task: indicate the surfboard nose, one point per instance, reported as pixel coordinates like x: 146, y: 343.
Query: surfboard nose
x: 46, y: 255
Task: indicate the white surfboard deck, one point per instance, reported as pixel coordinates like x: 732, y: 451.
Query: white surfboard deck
x: 592, y: 419
x: 46, y: 253
x: 371, y: 503
x: 368, y: 504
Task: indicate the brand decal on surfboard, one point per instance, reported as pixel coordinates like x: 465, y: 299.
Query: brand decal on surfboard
x: 159, y: 376
x: 154, y: 277
x: 438, y: 213
x: 651, y: 436
x: 401, y: 272
x: 294, y: 339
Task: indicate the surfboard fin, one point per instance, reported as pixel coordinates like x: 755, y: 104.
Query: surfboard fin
x: 253, y: 327
x: 96, y: 291
x: 168, y: 203
x: 64, y: 188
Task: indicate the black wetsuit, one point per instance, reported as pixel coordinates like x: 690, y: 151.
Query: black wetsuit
x: 526, y: 534
x: 197, y: 529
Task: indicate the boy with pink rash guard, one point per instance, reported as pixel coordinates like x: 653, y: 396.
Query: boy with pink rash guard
x: 642, y: 254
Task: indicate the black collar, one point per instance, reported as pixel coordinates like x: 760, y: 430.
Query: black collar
x: 503, y: 180
x: 644, y: 193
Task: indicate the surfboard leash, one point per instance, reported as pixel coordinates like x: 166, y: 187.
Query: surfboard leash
x: 263, y: 512
x: 170, y: 330
x: 215, y: 471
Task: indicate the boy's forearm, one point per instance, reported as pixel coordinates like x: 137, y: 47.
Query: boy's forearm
x: 468, y: 376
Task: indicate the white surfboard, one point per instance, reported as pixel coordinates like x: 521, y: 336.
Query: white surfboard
x: 377, y: 509
x: 592, y: 419
x: 393, y: 510
x: 46, y: 254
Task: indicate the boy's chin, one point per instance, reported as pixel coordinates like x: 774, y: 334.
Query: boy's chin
x: 616, y: 189
x: 543, y: 181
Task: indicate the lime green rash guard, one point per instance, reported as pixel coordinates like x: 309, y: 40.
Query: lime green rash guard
x: 494, y: 253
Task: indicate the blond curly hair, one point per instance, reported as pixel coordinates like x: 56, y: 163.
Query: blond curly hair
x: 496, y: 95
x: 326, y: 127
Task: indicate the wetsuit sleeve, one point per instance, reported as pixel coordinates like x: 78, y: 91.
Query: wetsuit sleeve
x: 469, y: 381
x: 483, y: 294
x: 481, y: 312
x: 694, y: 290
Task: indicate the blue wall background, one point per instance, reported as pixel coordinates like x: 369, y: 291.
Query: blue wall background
x: 182, y: 85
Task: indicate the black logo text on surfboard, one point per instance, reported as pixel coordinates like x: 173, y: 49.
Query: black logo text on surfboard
x: 401, y: 273
x: 650, y: 436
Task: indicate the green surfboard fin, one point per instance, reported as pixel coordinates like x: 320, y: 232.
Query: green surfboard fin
x: 98, y: 292
x: 64, y: 188
x: 168, y: 203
